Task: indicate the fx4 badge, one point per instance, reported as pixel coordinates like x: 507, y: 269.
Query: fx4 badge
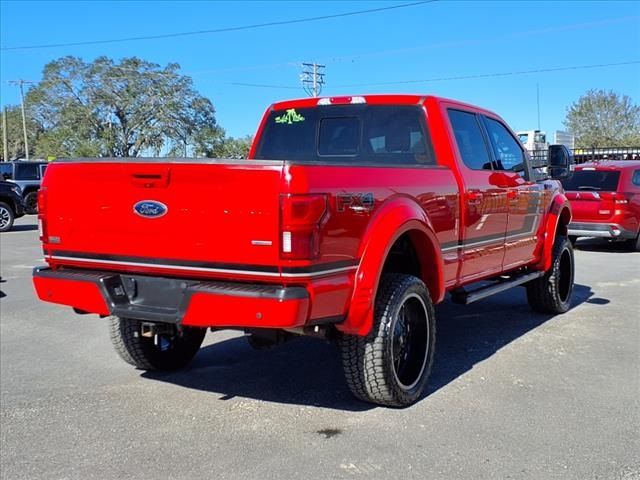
x: 357, y: 202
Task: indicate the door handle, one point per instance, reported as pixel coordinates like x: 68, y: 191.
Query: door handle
x: 474, y: 197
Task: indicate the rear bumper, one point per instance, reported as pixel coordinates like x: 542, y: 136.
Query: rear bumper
x: 171, y: 300
x: 606, y: 230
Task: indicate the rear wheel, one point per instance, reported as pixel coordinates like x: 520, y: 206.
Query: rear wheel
x: 390, y: 366
x: 169, y: 349
x: 551, y: 293
x: 31, y: 203
x: 6, y: 217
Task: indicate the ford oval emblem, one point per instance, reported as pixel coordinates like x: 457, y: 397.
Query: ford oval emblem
x: 150, y: 209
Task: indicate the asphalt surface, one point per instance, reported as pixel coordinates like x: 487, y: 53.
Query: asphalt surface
x: 513, y: 395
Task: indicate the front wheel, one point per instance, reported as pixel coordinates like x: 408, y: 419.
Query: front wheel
x: 390, y: 366
x: 169, y: 349
x: 551, y: 293
x: 6, y: 217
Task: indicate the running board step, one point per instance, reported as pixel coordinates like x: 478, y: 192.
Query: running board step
x: 465, y: 298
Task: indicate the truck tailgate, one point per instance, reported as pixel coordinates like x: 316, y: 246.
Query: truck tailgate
x: 220, y: 215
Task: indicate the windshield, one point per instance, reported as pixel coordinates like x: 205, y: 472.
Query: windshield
x: 383, y: 134
x: 598, y: 180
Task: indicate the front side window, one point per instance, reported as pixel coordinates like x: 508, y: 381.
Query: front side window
x: 353, y: 134
x: 470, y: 140
x: 6, y: 171
x: 636, y: 178
x: 507, y: 150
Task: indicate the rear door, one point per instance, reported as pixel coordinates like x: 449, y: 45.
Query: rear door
x: 485, y: 207
x: 591, y: 193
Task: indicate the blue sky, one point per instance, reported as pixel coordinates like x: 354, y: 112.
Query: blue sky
x: 437, y: 40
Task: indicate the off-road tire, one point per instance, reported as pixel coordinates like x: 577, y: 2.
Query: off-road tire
x: 368, y: 361
x: 143, y: 353
x: 551, y: 293
x: 6, y: 217
x: 31, y: 203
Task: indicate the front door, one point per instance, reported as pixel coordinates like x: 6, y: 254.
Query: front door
x: 524, y: 197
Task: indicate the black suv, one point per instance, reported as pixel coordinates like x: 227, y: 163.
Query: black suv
x: 11, y: 205
x: 27, y: 175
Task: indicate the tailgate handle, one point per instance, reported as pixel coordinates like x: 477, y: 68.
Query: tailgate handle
x: 151, y: 179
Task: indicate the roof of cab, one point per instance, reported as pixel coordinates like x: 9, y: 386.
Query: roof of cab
x: 378, y: 99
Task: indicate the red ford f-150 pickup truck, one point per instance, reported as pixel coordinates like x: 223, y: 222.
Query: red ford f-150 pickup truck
x: 350, y: 219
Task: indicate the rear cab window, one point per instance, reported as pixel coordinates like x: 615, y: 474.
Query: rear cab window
x: 348, y: 134
x: 592, y: 179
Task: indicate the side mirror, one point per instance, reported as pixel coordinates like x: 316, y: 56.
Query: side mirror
x: 559, y: 162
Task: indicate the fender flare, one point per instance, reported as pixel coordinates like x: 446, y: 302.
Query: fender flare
x: 559, y: 214
x: 395, y: 218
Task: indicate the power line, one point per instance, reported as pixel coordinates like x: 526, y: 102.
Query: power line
x: 488, y: 75
x: 459, y: 77
x: 260, y: 85
x: 221, y: 30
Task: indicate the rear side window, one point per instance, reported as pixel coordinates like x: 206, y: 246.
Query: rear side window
x: 636, y: 178
x: 27, y: 171
x: 509, y: 154
x: 470, y: 140
x: 364, y: 134
x: 596, y: 180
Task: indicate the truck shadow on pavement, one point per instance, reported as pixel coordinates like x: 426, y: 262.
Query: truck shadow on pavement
x: 22, y: 228
x: 308, y: 371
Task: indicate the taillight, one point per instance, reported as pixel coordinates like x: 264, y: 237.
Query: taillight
x: 301, y: 217
x: 42, y: 209
x: 616, y: 197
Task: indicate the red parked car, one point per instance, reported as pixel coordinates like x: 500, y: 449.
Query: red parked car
x: 350, y: 219
x: 605, y: 200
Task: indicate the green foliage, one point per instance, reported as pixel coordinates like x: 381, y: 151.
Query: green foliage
x: 15, y: 134
x: 214, y: 144
x: 604, y: 119
x: 110, y: 109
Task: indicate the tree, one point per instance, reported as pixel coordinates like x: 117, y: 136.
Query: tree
x: 124, y: 109
x: 213, y: 143
x: 604, y: 119
x: 15, y: 133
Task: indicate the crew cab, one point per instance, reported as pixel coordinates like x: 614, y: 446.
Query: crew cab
x: 350, y: 219
x: 605, y: 200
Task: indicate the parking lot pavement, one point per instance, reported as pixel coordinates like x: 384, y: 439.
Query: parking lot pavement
x: 513, y: 394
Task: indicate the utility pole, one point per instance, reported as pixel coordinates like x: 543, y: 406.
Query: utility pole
x: 538, y: 100
x: 5, y: 148
x: 312, y: 78
x: 21, y: 83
